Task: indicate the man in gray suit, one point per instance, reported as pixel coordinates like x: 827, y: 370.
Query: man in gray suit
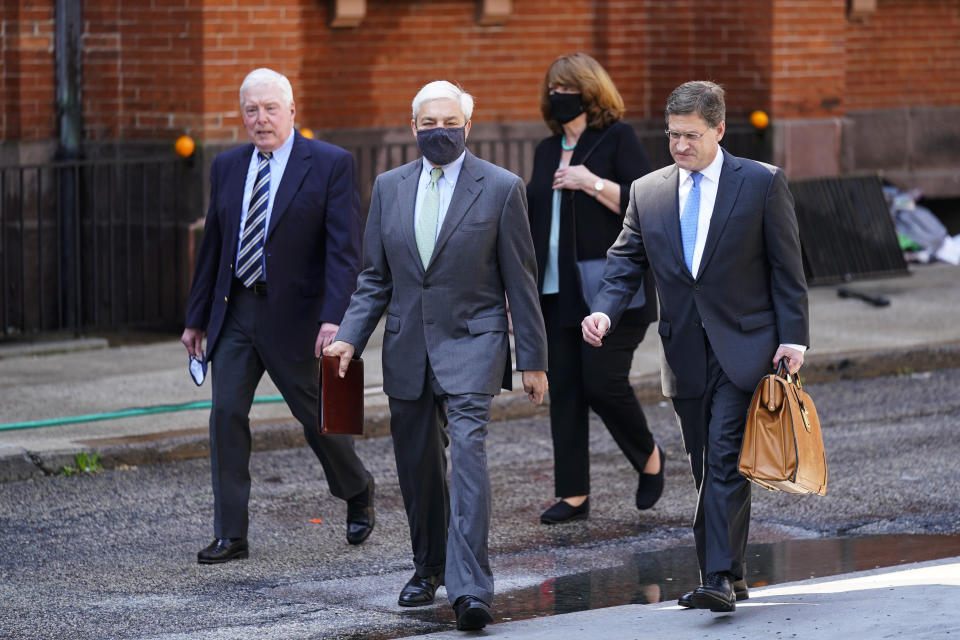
x: 446, y: 243
x: 720, y: 235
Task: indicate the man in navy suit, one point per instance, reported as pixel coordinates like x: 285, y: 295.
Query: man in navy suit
x: 276, y: 267
x: 720, y: 235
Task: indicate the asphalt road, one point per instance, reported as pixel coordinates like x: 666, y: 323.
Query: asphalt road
x: 113, y: 555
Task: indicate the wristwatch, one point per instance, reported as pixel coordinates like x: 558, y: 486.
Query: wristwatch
x: 597, y: 187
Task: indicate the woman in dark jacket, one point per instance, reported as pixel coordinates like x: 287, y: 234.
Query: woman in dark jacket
x: 577, y: 198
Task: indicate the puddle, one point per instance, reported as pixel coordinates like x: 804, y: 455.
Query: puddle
x: 663, y: 576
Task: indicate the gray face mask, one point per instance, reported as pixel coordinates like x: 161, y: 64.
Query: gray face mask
x: 442, y: 145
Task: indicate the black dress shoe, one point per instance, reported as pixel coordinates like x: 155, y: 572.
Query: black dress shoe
x: 716, y: 593
x: 419, y: 590
x: 739, y: 589
x: 223, y: 550
x: 472, y: 613
x: 563, y: 511
x: 360, y: 518
x: 650, y: 485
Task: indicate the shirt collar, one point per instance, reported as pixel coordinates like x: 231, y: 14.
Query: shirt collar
x: 711, y: 171
x: 282, y: 153
x: 450, y: 171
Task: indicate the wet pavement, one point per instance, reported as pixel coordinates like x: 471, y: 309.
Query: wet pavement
x: 113, y: 555
x: 918, y: 331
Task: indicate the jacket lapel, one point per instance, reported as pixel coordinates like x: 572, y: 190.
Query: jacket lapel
x: 233, y: 193
x: 465, y: 193
x: 298, y: 165
x: 727, y: 191
x: 406, y: 204
x: 666, y: 201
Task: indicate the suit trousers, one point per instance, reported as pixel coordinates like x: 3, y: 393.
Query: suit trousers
x: 582, y: 377
x: 449, y: 522
x: 712, y: 427
x: 243, y: 353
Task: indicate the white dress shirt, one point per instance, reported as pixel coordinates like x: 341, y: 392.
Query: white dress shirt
x: 278, y: 163
x: 445, y: 185
x: 708, y: 197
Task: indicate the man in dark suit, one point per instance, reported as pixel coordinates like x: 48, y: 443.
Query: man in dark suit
x: 278, y: 260
x: 447, y: 236
x: 720, y: 235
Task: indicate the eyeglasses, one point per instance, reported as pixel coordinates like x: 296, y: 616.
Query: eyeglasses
x: 689, y: 137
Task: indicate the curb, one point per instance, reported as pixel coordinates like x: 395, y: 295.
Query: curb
x: 19, y: 464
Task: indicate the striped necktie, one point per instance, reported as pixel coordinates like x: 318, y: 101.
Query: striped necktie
x: 689, y: 219
x: 426, y: 231
x: 250, y: 260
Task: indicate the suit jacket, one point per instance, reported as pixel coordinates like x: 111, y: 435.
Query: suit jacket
x: 312, y: 247
x: 587, y: 228
x: 750, y: 294
x: 454, y: 312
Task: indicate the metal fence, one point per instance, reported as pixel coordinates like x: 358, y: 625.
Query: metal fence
x: 92, y: 245
x: 101, y: 245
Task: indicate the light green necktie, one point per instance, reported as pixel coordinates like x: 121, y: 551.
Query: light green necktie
x: 429, y: 214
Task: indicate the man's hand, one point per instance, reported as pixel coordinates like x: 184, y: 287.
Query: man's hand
x: 535, y: 384
x: 192, y: 339
x: 328, y: 331
x: 344, y: 350
x: 594, y: 327
x: 794, y: 358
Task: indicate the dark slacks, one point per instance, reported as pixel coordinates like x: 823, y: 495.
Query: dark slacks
x: 712, y: 428
x: 243, y: 353
x: 449, y: 523
x: 581, y: 378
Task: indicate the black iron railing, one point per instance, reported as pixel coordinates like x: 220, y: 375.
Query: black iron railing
x: 92, y: 245
x: 96, y: 245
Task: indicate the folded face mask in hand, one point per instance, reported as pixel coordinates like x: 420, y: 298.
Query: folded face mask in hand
x: 198, y: 369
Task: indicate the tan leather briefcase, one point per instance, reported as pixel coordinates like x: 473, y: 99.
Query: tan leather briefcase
x: 782, y: 443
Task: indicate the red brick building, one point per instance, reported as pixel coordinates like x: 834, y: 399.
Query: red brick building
x: 850, y: 85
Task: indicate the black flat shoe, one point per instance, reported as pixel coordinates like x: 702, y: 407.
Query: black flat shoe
x: 650, y: 485
x: 472, y: 613
x: 419, y: 591
x: 360, y: 518
x: 223, y: 550
x: 563, y: 511
x: 739, y: 590
x: 716, y: 594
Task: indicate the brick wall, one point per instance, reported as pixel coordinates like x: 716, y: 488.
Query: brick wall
x: 808, y: 77
x: 907, y: 53
x: 153, y: 70
x: 142, y: 73
x: 27, y: 101
x: 366, y: 77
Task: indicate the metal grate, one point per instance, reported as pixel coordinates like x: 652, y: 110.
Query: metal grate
x: 846, y: 231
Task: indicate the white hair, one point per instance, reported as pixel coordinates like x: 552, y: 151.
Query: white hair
x: 268, y: 77
x: 443, y: 89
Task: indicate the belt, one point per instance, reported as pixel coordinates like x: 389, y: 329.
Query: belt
x: 259, y: 287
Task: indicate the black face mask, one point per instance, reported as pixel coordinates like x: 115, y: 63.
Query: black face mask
x: 441, y: 145
x: 564, y: 107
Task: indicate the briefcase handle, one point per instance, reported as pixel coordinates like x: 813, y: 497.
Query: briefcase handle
x: 784, y: 373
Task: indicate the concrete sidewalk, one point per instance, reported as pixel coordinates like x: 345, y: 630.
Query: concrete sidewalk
x: 916, y: 601
x: 81, y: 380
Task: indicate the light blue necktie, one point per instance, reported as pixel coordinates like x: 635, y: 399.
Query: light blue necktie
x: 689, y: 219
x: 250, y: 261
x: 426, y: 232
